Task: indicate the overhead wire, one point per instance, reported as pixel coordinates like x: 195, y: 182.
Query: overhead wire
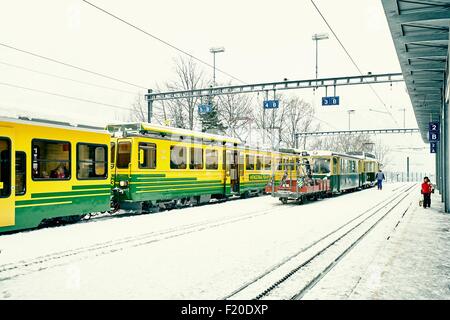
x: 71, y: 65
x: 65, y: 78
x: 63, y: 96
x: 161, y: 40
x: 352, y: 60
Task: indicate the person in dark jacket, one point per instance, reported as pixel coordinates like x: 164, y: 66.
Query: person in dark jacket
x: 427, y: 189
x: 380, y: 177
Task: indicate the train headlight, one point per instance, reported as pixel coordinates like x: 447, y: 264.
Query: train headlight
x: 123, y: 183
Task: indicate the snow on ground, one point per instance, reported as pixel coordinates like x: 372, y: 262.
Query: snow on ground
x: 406, y: 258
x: 194, y: 253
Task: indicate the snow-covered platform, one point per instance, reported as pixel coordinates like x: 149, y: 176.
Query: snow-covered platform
x: 384, y: 246
x: 411, y: 261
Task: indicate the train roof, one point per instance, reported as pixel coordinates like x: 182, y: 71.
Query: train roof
x: 149, y: 128
x: 328, y: 153
x: 53, y: 124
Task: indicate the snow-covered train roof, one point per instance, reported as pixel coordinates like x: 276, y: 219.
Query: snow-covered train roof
x: 328, y: 153
x: 142, y: 127
x: 52, y: 124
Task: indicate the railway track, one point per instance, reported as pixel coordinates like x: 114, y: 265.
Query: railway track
x: 23, y: 267
x: 298, y: 273
x: 20, y: 268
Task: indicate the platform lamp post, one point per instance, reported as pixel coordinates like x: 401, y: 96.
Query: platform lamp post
x: 404, y: 117
x: 349, y: 113
x: 215, y: 50
x: 317, y: 37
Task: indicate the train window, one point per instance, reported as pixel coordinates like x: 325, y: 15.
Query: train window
x: 5, y: 168
x: 322, y: 166
x: 123, y: 154
x: 212, y: 159
x: 353, y: 166
x: 91, y: 161
x: 178, y: 157
x: 20, y: 173
x: 267, y: 163
x: 196, y: 159
x: 344, y: 166
x: 258, y: 162
x: 277, y: 164
x: 241, y: 164
x: 113, y: 154
x: 229, y: 160
x: 249, y: 162
x: 50, y: 160
x: 149, y: 154
x: 335, y: 168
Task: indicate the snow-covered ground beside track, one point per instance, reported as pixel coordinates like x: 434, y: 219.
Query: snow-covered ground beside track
x: 195, y: 253
x: 409, y: 261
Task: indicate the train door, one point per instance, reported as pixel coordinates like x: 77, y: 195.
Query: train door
x: 233, y: 169
x: 7, y: 178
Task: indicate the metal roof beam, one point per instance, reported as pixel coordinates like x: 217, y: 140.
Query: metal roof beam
x: 282, y: 85
x: 427, y: 15
x: 344, y: 132
x: 435, y: 53
x: 426, y: 37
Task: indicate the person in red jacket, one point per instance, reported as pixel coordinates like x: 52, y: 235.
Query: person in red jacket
x: 427, y: 188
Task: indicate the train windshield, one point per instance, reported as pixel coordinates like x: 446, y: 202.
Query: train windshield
x: 321, y: 166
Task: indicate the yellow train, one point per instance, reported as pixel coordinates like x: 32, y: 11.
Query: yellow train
x: 56, y: 172
x: 158, y: 167
x: 51, y: 171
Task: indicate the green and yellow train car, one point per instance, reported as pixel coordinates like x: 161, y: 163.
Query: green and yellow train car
x: 51, y: 170
x: 368, y: 166
x: 340, y: 168
x: 162, y: 167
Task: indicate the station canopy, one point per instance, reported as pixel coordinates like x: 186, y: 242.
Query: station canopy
x: 420, y: 30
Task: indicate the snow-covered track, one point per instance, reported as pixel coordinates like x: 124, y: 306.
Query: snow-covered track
x: 305, y: 268
x: 23, y: 267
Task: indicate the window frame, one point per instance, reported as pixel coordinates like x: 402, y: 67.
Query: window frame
x: 192, y: 153
x: 216, y: 151
x: 70, y: 160
x: 8, y: 140
x: 24, y: 173
x: 106, y: 161
x: 186, y: 163
x: 117, y: 153
x: 112, y: 161
x: 247, y: 162
x: 156, y: 155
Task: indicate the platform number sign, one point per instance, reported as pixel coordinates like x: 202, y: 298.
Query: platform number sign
x: 271, y: 104
x: 434, y: 131
x: 204, y: 108
x: 330, y: 101
x: 433, y: 147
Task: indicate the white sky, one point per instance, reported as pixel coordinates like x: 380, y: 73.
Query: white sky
x: 264, y: 41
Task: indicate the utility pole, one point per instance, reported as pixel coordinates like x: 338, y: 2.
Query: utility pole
x: 215, y: 50
x: 404, y: 117
x: 149, y: 107
x: 349, y: 113
x: 407, y: 169
x: 316, y: 37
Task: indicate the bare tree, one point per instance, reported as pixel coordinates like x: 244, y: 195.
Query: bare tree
x: 236, y: 114
x: 382, y: 152
x: 344, y: 143
x: 280, y: 125
x: 139, y: 109
x: 188, y: 77
x: 298, y: 117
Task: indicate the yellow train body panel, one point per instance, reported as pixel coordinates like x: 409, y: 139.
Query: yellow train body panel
x: 48, y: 172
